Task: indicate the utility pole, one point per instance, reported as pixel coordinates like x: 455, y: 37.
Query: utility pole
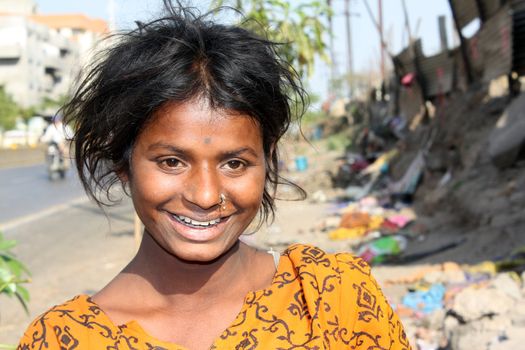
x: 462, y: 45
x: 349, y: 48
x: 333, y: 69
x: 443, y: 33
x: 381, y: 41
x: 407, y: 22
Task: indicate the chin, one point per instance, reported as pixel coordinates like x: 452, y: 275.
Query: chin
x: 202, y: 254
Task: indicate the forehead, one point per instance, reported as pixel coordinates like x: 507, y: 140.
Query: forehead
x: 195, y: 122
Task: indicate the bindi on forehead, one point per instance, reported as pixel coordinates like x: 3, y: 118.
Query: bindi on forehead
x: 207, y: 140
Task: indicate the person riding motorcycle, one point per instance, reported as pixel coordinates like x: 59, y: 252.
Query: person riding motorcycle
x: 57, y: 137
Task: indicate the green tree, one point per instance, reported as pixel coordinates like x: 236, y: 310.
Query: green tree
x: 300, y: 27
x: 12, y: 275
x: 52, y: 103
x: 8, y: 110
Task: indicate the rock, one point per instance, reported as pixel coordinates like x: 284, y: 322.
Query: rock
x: 450, y: 324
x: 319, y: 197
x: 517, y: 197
x: 450, y: 276
x: 480, y: 334
x: 505, y: 219
x: 511, y: 338
x: 436, y: 319
x: 472, y: 304
x: 468, y: 338
x: 504, y: 283
x: 507, y: 138
x: 426, y: 345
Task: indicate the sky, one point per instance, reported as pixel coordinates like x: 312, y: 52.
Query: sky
x: 365, y: 38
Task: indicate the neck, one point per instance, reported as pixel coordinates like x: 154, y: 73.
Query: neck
x: 172, y: 277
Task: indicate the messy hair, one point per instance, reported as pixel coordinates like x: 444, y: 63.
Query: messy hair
x: 177, y: 58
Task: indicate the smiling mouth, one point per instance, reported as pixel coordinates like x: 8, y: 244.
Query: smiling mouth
x: 195, y: 223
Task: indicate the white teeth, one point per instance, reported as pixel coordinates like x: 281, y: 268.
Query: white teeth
x: 197, y: 223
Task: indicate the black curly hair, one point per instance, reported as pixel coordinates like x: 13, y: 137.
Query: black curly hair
x: 176, y: 58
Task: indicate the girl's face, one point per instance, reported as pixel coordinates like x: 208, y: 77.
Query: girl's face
x: 182, y: 162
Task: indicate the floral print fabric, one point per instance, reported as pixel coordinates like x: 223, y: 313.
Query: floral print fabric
x: 316, y: 301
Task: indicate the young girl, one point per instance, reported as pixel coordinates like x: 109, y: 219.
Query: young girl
x: 187, y: 115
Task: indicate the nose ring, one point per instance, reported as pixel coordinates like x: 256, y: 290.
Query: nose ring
x: 222, y: 201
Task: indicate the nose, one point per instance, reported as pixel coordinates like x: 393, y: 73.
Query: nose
x: 203, y: 188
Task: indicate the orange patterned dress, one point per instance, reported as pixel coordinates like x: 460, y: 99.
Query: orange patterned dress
x: 316, y: 301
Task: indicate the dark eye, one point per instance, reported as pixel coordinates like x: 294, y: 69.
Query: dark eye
x: 234, y: 164
x: 171, y: 163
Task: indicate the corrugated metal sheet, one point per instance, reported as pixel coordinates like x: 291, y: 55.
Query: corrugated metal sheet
x: 518, y: 59
x: 410, y: 101
x: 460, y: 76
x: 490, y: 7
x: 490, y: 50
x: 406, y: 58
x: 466, y: 11
x: 438, y: 73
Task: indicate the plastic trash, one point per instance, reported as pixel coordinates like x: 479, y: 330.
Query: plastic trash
x: 301, y: 163
x: 427, y: 300
x: 382, y: 248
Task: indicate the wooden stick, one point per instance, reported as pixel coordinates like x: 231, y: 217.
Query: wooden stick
x: 137, y: 230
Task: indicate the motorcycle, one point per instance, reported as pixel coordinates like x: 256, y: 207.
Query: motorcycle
x: 56, y: 162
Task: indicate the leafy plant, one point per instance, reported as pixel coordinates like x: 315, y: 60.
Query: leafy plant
x: 12, y: 273
x: 300, y: 27
x: 9, y: 110
x: 337, y: 142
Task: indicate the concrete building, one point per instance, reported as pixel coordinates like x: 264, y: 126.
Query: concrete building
x: 41, y: 54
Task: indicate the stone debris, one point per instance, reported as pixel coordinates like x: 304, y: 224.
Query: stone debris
x: 446, y: 192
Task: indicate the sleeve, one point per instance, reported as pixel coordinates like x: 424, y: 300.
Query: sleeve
x: 368, y: 318
x: 39, y: 335
x: 47, y: 135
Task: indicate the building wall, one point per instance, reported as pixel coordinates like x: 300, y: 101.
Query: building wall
x: 21, y: 7
x: 35, y: 61
x: 38, y: 60
x: 13, y: 57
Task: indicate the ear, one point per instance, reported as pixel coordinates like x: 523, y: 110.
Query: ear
x: 123, y: 176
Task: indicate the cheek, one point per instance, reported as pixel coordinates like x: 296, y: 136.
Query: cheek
x: 150, y: 186
x: 248, y: 191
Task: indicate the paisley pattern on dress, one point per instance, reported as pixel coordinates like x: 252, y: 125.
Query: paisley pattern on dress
x: 316, y: 301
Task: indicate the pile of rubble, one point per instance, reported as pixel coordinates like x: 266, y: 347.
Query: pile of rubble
x: 449, y: 306
x: 450, y: 193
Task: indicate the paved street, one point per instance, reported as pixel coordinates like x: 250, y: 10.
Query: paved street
x: 69, y: 245
x: 77, y: 251
x: 82, y: 248
x: 26, y: 191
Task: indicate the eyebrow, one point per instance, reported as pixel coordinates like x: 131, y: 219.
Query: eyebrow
x: 181, y: 151
x: 164, y: 146
x: 240, y: 151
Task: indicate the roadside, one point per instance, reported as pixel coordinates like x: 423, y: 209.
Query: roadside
x: 79, y: 250
x: 24, y: 156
